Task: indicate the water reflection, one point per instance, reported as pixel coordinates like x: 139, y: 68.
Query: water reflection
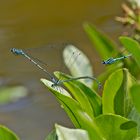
x: 27, y: 24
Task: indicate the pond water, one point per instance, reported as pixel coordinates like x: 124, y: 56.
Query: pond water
x: 35, y: 24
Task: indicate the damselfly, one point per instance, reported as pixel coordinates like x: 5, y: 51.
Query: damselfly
x: 113, y: 60
x: 55, y: 81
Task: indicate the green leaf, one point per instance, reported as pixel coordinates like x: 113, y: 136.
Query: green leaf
x: 109, y: 126
x: 135, y: 94
x: 134, y: 115
x: 133, y: 47
x: 77, y: 63
x: 52, y: 136
x: 89, y: 100
x: 116, y: 94
x: 104, y: 45
x: 112, y: 85
x: 57, y: 91
x: 123, y: 101
x: 64, y: 133
x: 6, y: 134
x: 12, y: 94
x: 78, y: 116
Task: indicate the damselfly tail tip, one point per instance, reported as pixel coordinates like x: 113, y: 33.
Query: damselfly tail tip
x: 12, y: 50
x: 128, y: 55
x: 99, y: 85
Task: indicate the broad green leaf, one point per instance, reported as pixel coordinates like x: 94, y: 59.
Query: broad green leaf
x: 6, y: 134
x: 135, y: 94
x: 112, y: 85
x: 138, y: 138
x: 133, y: 47
x: 52, y: 136
x: 64, y: 133
x: 123, y: 101
x: 89, y: 100
x: 12, y: 94
x: 135, y: 116
x: 104, y: 45
x: 109, y: 126
x: 116, y: 94
x: 78, y: 116
x: 57, y: 91
x: 77, y: 63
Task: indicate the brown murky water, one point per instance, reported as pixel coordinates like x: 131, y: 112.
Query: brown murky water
x: 27, y: 24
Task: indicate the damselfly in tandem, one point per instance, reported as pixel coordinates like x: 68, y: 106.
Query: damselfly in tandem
x: 54, y: 80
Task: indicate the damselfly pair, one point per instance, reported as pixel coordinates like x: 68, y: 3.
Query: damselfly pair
x: 55, y: 81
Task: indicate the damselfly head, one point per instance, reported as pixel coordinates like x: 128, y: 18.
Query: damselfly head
x: 12, y: 50
x: 53, y: 85
x: 103, y: 62
x: 16, y: 51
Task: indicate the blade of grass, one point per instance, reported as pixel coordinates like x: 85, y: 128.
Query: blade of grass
x: 103, y: 44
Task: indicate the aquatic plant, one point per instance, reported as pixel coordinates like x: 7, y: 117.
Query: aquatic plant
x: 115, y: 114
x: 109, y: 113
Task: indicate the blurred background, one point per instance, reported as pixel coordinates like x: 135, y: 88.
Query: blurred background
x: 35, y: 24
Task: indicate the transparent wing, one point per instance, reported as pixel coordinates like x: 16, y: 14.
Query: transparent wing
x: 77, y: 63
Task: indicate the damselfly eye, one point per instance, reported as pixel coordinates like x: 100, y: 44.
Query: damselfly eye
x: 13, y: 50
x: 103, y: 62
